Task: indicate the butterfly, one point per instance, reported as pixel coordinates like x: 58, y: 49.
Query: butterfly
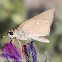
x: 35, y: 28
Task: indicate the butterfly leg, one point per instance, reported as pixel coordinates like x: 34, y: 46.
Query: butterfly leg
x: 29, y: 39
x: 19, y: 43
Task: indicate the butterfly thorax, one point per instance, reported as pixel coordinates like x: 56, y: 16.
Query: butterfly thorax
x: 21, y: 35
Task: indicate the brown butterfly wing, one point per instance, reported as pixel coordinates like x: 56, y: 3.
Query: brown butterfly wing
x: 40, y: 24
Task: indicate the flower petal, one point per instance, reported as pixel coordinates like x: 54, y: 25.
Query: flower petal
x: 10, y: 51
x: 25, y: 53
x: 34, y: 53
x: 28, y: 49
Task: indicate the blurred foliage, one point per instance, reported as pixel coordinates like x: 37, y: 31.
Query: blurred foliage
x: 13, y: 13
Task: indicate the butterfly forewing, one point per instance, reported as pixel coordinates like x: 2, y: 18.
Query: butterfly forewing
x: 40, y: 24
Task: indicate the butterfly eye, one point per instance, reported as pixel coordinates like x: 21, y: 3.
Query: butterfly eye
x: 11, y: 33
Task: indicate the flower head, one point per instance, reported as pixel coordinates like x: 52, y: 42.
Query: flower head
x: 29, y: 49
x: 34, y: 53
x: 25, y: 53
x: 11, y: 52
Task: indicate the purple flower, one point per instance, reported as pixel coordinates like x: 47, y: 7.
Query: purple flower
x: 25, y: 53
x: 34, y: 53
x: 11, y: 52
x: 27, y: 50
